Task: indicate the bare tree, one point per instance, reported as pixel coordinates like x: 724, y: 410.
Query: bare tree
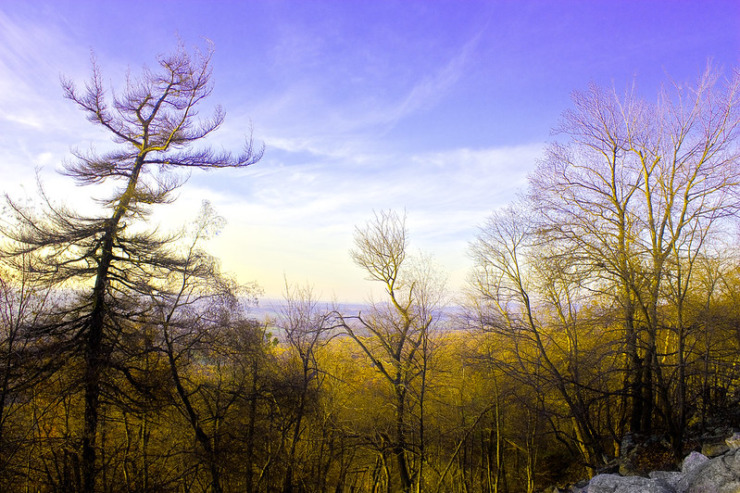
x: 395, y: 335
x: 154, y: 123
x: 522, y: 294
x: 634, y: 181
x: 24, y: 359
x: 196, y: 306
x: 305, y: 324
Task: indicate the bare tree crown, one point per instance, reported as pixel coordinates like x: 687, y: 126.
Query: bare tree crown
x: 156, y: 120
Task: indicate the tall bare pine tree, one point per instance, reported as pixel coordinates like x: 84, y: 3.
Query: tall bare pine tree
x: 114, y: 262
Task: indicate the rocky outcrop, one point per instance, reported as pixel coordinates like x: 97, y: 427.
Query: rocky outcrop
x: 698, y: 474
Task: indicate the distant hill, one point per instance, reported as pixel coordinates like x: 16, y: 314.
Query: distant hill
x: 272, y: 308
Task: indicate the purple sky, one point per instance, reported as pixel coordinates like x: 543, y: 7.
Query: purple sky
x: 438, y: 107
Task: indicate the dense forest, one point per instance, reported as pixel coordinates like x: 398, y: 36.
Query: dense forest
x: 604, y: 303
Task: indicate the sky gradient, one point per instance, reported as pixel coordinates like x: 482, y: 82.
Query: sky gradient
x: 438, y: 108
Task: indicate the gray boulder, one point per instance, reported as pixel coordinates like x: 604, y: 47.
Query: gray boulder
x: 614, y: 483
x: 693, y: 462
x: 719, y: 475
x: 671, y: 478
x: 690, y: 470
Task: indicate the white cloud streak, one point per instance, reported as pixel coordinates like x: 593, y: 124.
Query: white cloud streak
x: 299, y: 221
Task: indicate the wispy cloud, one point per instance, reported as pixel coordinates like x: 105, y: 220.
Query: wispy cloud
x: 432, y: 87
x: 297, y: 220
x: 36, y: 125
x: 314, y: 109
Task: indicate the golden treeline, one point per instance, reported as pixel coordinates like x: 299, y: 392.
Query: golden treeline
x: 603, y: 304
